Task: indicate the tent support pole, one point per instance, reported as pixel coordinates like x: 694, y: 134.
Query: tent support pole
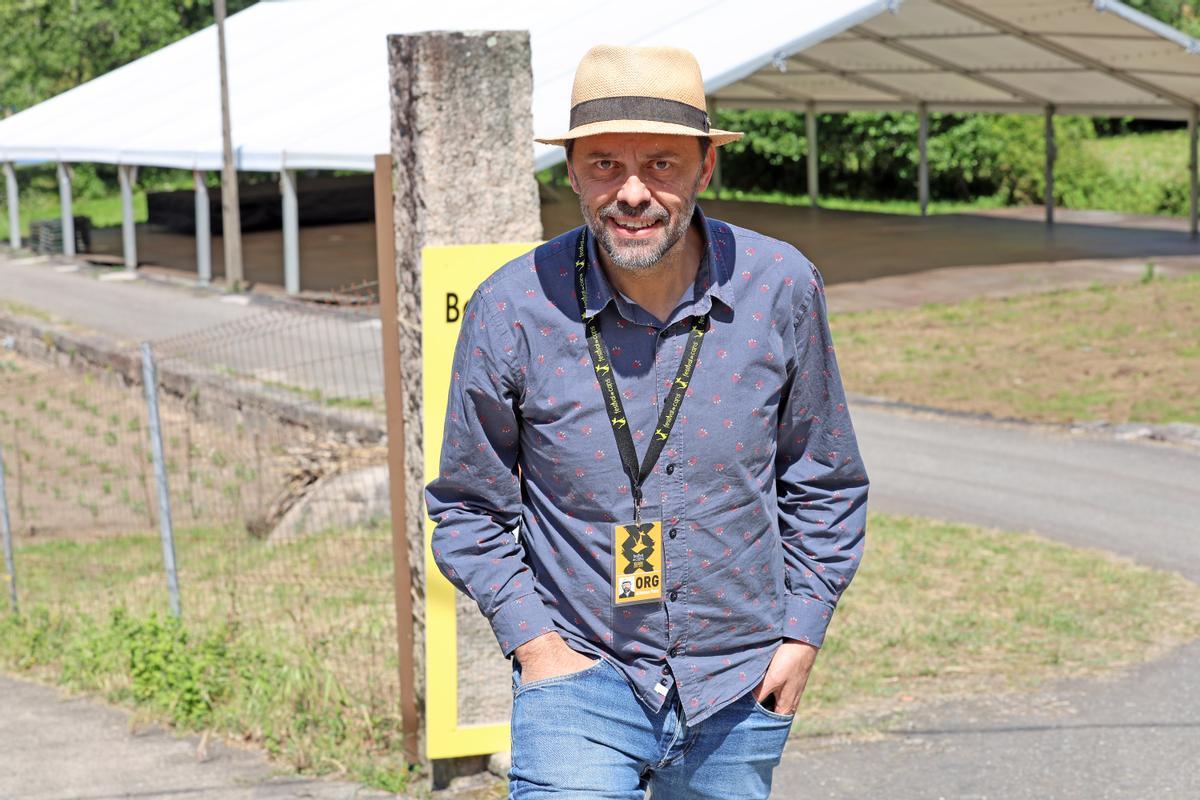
x: 126, y: 175
x: 203, y: 230
x: 68, y: 215
x: 716, y: 183
x: 1051, y: 155
x: 810, y: 131
x: 291, y: 231
x: 1193, y: 177
x: 14, y: 210
x: 923, y: 166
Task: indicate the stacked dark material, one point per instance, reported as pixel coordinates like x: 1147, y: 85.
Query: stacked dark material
x: 322, y: 201
x: 46, y: 235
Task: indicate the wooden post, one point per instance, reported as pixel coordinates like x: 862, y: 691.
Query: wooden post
x: 231, y: 214
x: 393, y: 392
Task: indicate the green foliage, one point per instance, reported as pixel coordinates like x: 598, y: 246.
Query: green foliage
x: 875, y: 156
x: 220, y: 679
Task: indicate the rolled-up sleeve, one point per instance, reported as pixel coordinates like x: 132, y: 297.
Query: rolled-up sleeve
x: 475, y: 501
x: 821, y: 480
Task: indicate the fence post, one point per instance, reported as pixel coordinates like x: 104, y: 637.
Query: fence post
x: 9, y: 566
x: 150, y: 381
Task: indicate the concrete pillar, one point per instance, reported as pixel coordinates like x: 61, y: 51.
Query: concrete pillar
x: 14, y: 209
x: 203, y: 230
x: 810, y: 132
x: 923, y: 165
x: 126, y: 176
x: 1051, y: 155
x: 68, y: 214
x: 291, y: 231
x: 466, y: 153
x: 716, y: 183
x: 1193, y: 176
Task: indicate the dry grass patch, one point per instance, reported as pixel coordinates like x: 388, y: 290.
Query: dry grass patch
x: 1115, y: 353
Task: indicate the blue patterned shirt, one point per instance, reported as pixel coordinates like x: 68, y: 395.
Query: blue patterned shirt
x: 760, y: 487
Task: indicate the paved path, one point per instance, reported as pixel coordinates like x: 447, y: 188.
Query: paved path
x: 257, y: 335
x: 1135, y: 736
x: 55, y: 748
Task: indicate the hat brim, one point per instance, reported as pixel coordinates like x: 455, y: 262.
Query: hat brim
x: 718, y: 137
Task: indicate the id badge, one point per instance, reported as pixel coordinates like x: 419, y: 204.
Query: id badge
x: 637, y: 563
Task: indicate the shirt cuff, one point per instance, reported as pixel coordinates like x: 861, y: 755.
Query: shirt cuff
x: 807, y: 619
x: 519, y: 620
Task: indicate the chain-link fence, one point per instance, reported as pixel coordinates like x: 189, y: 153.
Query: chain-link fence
x: 273, y: 447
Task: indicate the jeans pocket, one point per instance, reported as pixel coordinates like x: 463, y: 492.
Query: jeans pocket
x: 775, y: 715
x: 520, y: 686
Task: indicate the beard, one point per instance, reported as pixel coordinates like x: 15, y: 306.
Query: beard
x: 639, y: 255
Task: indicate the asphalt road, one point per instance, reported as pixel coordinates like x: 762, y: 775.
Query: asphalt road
x: 1131, y: 735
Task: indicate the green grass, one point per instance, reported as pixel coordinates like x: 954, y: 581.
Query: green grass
x: 103, y: 211
x: 268, y: 650
x: 1118, y: 353
x: 941, y: 609
x: 291, y: 646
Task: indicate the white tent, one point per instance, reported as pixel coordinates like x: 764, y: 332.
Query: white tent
x: 309, y: 78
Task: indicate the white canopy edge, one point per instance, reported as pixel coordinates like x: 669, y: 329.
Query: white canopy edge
x: 309, y: 78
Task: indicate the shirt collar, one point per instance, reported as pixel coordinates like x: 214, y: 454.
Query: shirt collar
x: 712, y: 280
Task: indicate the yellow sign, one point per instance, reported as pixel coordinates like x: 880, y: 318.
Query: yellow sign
x: 450, y: 275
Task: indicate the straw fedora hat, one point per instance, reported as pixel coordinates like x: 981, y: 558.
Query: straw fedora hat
x: 639, y: 90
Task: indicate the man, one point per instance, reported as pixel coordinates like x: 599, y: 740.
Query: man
x: 652, y: 397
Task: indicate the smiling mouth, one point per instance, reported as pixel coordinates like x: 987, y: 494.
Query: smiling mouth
x: 635, y: 228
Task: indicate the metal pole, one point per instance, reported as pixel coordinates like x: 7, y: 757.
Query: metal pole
x: 1194, y: 178
x: 923, y: 165
x: 291, y: 232
x: 393, y: 392
x: 203, y: 231
x: 716, y: 183
x: 150, y: 381
x: 1051, y: 155
x: 810, y: 130
x: 231, y: 218
x: 126, y: 175
x: 10, y: 568
x: 68, y: 217
x: 14, y: 210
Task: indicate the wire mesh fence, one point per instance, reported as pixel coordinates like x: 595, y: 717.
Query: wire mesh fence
x: 274, y: 452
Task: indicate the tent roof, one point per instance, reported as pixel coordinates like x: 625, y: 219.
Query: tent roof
x: 308, y: 78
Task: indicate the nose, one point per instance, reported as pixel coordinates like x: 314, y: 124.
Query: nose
x: 633, y: 192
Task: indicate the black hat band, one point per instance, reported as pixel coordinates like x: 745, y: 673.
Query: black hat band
x: 651, y: 109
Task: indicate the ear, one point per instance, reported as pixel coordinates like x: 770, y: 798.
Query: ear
x: 707, y: 168
x: 571, y: 176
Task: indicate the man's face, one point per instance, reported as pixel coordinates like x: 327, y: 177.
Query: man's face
x: 637, y: 192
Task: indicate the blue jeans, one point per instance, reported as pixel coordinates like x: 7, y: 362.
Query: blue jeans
x: 585, y: 735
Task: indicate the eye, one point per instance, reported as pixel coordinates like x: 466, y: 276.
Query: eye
x: 662, y: 164
x: 604, y: 164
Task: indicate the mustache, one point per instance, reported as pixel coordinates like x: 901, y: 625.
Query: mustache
x: 644, y: 211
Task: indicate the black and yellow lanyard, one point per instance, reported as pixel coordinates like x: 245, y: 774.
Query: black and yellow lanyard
x: 608, y: 385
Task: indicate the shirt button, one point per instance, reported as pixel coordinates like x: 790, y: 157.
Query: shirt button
x: 672, y: 532
x: 674, y: 596
x: 666, y: 670
x: 670, y: 469
x: 674, y: 651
